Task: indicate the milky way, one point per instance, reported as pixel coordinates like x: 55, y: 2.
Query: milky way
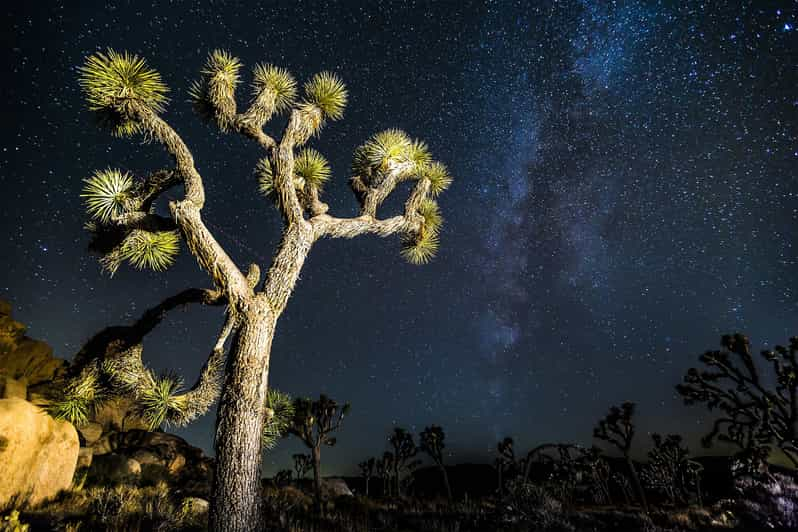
x: 625, y: 193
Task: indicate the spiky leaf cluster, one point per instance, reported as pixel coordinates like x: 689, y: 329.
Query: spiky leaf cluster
x: 385, y: 147
x: 392, y: 150
x: 155, y: 250
x: 223, y: 66
x: 108, y: 79
x: 438, y: 176
x: 161, y: 401
x: 276, y: 80
x: 326, y: 91
x: 78, y: 398
x: 423, y: 246
x: 279, y: 415
x: 310, y: 167
x: 105, y: 193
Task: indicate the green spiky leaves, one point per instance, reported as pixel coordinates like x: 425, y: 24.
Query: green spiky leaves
x: 105, y: 194
x: 431, y: 213
x: 392, y: 150
x: 391, y: 145
x: 151, y: 250
x: 422, y: 247
x: 326, y: 91
x: 279, y: 415
x: 312, y: 168
x: 223, y: 67
x: 439, y: 178
x: 161, y: 401
x: 276, y: 80
x: 109, y: 79
x: 78, y: 398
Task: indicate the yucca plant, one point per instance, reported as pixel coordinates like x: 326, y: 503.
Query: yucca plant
x: 126, y: 228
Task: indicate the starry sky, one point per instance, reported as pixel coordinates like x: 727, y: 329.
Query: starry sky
x: 625, y: 192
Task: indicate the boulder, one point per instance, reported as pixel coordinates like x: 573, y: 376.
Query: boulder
x: 160, y: 456
x: 13, y: 388
x: 194, y: 505
x: 84, y: 458
x: 38, y: 454
x: 335, y: 487
x: 90, y: 433
x: 23, y: 357
x: 113, y: 468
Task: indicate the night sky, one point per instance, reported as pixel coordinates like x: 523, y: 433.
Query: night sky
x: 625, y: 192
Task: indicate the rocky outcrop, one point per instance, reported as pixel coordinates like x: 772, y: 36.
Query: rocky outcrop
x: 38, y: 454
x: 27, y: 362
x: 150, y: 457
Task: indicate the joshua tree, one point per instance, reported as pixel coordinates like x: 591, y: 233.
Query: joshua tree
x: 431, y: 442
x: 506, y: 461
x: 670, y: 470
x: 283, y: 478
x: 618, y: 429
x: 384, y: 468
x: 756, y: 411
x: 302, y: 464
x: 129, y: 99
x: 404, y: 449
x: 367, y: 471
x: 313, y: 423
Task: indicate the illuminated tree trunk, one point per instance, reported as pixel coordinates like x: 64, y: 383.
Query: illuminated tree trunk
x: 236, y: 486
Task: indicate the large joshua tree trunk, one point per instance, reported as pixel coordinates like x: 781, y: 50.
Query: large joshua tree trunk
x: 239, y: 424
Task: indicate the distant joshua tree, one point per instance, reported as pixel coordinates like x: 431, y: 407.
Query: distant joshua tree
x: 431, y: 442
x: 367, y: 469
x: 128, y: 97
x: 283, y: 478
x: 505, y: 462
x: 756, y: 411
x: 302, y: 464
x: 670, y: 471
x: 313, y: 423
x: 618, y: 429
x: 404, y: 449
x: 385, y: 468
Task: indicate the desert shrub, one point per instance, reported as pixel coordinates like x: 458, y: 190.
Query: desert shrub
x: 534, y: 505
x: 765, y: 501
x: 11, y: 523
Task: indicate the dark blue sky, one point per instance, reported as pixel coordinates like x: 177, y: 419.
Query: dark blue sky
x: 625, y: 192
